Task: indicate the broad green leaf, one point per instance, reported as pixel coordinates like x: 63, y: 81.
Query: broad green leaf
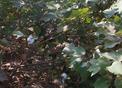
x: 110, y: 44
x: 116, y: 55
x: 95, y: 67
x: 68, y: 49
x: 109, y: 55
x: 78, y: 51
x: 75, y: 51
x: 81, y: 71
x: 79, y: 12
x: 115, y: 68
x: 101, y: 83
x: 18, y: 34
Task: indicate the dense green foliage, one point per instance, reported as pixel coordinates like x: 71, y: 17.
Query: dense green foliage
x: 86, y: 35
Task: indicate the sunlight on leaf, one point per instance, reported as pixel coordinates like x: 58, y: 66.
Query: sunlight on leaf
x: 115, y: 68
x: 116, y: 56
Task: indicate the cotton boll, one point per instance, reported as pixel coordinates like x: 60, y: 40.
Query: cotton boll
x: 31, y: 39
x: 63, y: 77
x: 65, y: 28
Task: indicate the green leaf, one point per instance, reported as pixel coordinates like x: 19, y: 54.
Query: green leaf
x: 81, y: 70
x: 117, y: 19
x: 18, y: 34
x: 79, y: 13
x: 115, y: 68
x: 75, y: 51
x: 49, y: 16
x: 88, y: 20
x: 78, y: 51
x: 119, y: 33
x: 110, y: 44
x: 101, y: 83
x: 95, y: 67
x: 68, y: 49
x: 116, y: 55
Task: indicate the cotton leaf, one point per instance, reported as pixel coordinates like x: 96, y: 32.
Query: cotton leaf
x: 87, y: 1
x: 79, y: 51
x: 109, y: 55
x: 101, y: 83
x: 68, y: 48
x: 110, y: 12
x: 115, y: 8
x: 116, y: 56
x: 18, y: 34
x: 94, y: 67
x: 115, y: 68
x: 110, y: 44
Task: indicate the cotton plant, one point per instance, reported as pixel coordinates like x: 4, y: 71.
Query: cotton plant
x: 115, y: 8
x: 19, y: 3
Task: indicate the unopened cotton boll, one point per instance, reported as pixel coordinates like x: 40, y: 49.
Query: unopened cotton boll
x: 65, y: 28
x: 63, y: 77
x: 31, y: 39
